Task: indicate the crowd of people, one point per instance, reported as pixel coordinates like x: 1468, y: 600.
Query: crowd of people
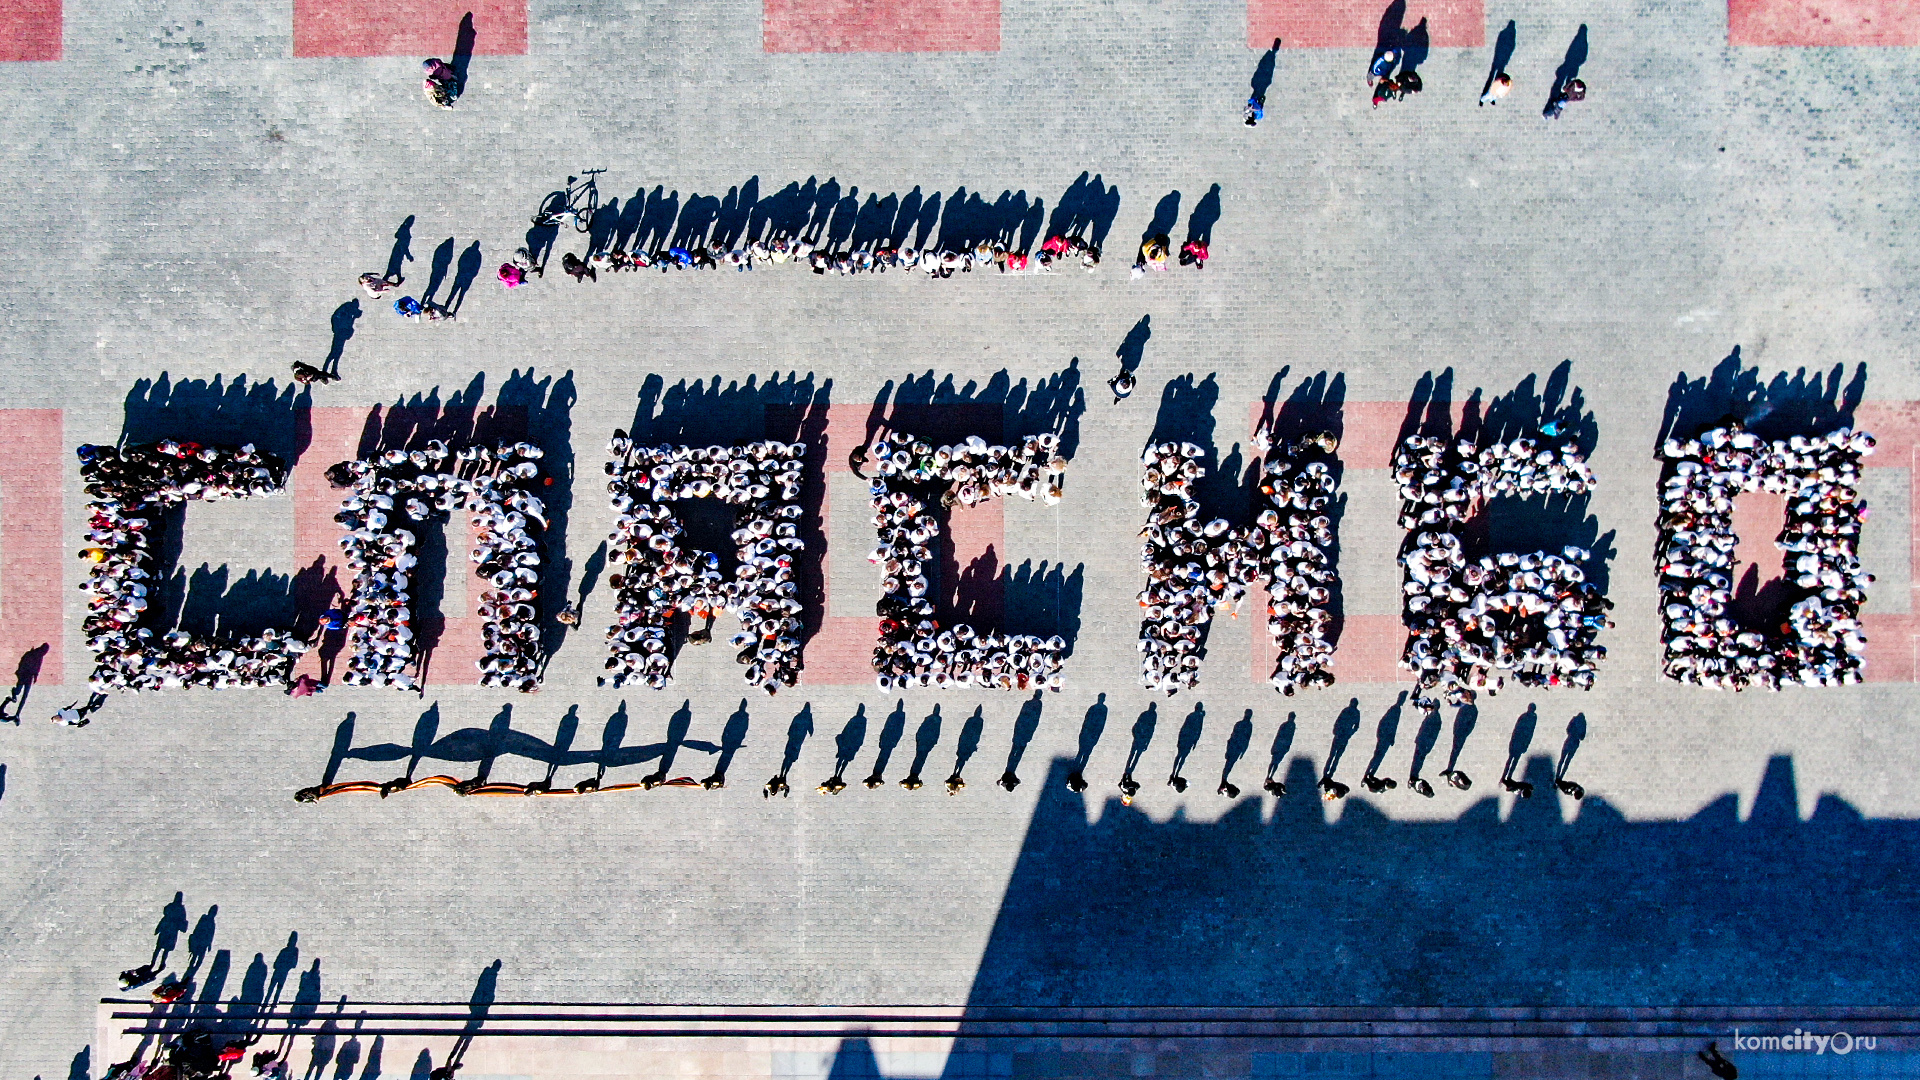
x: 1821, y: 641
x: 1193, y: 567
x: 1295, y: 531
x: 661, y: 577
x: 1055, y: 252
x: 912, y: 480
x: 1474, y: 623
x: 399, y: 491
x: 128, y: 489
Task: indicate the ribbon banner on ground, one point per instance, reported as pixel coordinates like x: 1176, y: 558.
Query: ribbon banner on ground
x: 1821, y: 641
x: 761, y: 482
x: 128, y: 490
x: 399, y: 492
x: 914, y: 480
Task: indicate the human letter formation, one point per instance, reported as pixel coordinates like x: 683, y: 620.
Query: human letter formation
x: 915, y: 479
x: 761, y: 482
x: 1821, y: 643
x: 1473, y: 623
x: 1194, y: 568
x: 402, y: 488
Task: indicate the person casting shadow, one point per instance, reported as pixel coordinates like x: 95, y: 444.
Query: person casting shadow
x: 166, y: 934
x: 1142, y: 737
x: 797, y: 733
x: 25, y: 674
x: 891, y: 733
x: 1282, y: 742
x: 1516, y: 749
x: 845, y: 748
x: 1576, y: 734
x: 1238, y: 740
x: 924, y: 740
x: 970, y: 733
x: 1024, y: 727
x: 1423, y: 743
x: 1091, y: 728
x: 1463, y: 725
x: 732, y: 738
x: 1189, y: 738
x: 1384, y: 736
x: 1344, y: 728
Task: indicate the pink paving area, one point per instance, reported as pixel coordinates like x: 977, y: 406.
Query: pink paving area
x: 33, y: 463
x: 832, y: 26
x: 1355, y: 24
x: 840, y: 653
x: 1823, y: 22
x: 30, y: 29
x: 335, y: 434
x: 407, y: 27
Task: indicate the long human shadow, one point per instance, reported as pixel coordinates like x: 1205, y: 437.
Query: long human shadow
x: 341, y: 323
x: 1133, y: 348
x: 402, y: 251
x: 1712, y: 909
x: 892, y: 730
x: 1165, y: 213
x: 925, y: 738
x: 1206, y: 214
x: 1024, y: 727
x: 1092, y: 726
x: 1263, y: 71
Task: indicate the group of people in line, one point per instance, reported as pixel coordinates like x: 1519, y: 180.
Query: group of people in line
x: 1821, y: 641
x: 128, y: 490
x: 1057, y: 251
x: 1156, y: 250
x: 1193, y: 567
x: 1474, y: 623
x: 1389, y: 85
x: 1295, y: 532
x: 660, y: 578
x: 399, y: 491
x: 913, y: 479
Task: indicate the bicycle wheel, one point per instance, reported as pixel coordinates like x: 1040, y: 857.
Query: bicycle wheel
x: 583, y: 219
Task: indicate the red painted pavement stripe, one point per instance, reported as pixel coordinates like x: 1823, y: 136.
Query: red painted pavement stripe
x: 834, y: 26
x: 30, y: 29
x: 33, y: 468
x: 1355, y: 24
x: 1813, y: 23
x: 406, y: 27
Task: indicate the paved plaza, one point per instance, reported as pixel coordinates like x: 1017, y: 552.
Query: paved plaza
x: 1726, y: 225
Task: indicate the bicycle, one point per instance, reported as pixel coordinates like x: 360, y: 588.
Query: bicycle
x: 576, y: 204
